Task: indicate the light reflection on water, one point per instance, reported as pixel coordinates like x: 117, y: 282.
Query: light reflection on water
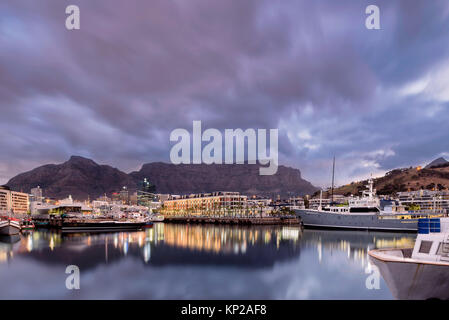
x: 177, y: 261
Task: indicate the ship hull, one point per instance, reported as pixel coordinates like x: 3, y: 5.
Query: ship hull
x: 9, y: 228
x: 101, y: 226
x: 414, y: 280
x: 320, y: 219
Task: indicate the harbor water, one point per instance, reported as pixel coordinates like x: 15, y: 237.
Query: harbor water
x: 182, y: 261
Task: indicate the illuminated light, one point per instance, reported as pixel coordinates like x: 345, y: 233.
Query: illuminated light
x: 125, y: 248
x: 29, y: 243
x: 146, y: 252
x: 52, y: 244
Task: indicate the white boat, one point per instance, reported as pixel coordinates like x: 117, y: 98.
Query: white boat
x: 155, y: 218
x: 9, y: 227
x: 363, y: 213
x: 421, y: 272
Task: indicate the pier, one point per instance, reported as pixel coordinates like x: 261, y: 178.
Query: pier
x: 233, y: 220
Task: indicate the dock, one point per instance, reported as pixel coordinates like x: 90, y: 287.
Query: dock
x: 234, y: 220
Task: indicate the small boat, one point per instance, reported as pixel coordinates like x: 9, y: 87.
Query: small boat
x: 148, y: 224
x: 9, y: 226
x: 421, y: 272
x: 27, y: 224
x: 155, y: 218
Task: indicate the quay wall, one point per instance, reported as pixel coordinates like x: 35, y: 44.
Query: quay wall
x: 230, y: 220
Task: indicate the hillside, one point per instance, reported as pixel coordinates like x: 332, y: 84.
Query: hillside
x: 79, y: 177
x: 83, y: 178
x: 409, y: 179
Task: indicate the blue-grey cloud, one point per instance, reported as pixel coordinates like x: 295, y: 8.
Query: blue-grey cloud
x: 115, y: 89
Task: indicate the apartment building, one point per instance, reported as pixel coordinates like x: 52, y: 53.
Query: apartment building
x: 13, y: 201
x: 425, y: 200
x: 215, y: 203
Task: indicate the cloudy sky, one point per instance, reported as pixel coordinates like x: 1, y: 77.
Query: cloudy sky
x: 115, y: 89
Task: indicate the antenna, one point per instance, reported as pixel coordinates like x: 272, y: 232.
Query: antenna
x: 332, y: 188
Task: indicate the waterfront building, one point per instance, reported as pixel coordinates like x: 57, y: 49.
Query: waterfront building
x: 338, y: 199
x: 104, y: 198
x: 124, y: 195
x: 146, y: 194
x: 115, y: 197
x: 162, y: 197
x: 425, y: 200
x: 13, y: 201
x: 36, y: 194
x: 314, y: 203
x: 64, y: 206
x: 215, y: 203
x: 260, y: 207
x: 296, y: 203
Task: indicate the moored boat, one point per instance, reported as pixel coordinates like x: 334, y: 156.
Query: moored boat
x: 148, y: 224
x: 421, y: 272
x: 363, y: 213
x: 156, y: 218
x: 100, y: 224
x: 27, y: 224
x: 9, y: 226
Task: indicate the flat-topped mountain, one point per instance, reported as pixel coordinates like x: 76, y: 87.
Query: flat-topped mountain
x: 244, y: 178
x: 83, y: 178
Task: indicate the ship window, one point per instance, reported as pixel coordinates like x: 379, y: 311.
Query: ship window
x: 443, y: 249
x: 425, y: 246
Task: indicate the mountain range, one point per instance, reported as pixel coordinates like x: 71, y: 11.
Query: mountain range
x: 83, y: 178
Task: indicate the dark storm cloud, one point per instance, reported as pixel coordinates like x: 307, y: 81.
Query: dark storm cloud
x: 136, y: 70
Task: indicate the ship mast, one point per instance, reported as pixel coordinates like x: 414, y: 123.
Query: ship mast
x: 332, y: 188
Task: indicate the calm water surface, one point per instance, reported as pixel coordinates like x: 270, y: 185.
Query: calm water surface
x: 176, y: 261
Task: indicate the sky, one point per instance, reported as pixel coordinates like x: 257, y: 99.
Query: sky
x: 136, y: 70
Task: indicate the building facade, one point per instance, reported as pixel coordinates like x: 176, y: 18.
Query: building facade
x: 216, y: 203
x: 13, y: 201
x: 425, y: 200
x: 36, y: 194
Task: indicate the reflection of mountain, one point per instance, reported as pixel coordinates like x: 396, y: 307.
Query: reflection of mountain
x: 166, y: 244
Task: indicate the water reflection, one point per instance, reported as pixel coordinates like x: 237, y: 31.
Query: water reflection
x: 354, y: 244
x: 176, y: 261
x: 164, y: 244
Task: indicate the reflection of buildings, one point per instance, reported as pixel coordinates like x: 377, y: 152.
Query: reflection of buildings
x: 256, y: 246
x: 355, y: 244
x: 171, y: 244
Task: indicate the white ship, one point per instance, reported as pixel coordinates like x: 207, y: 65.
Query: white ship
x: 421, y: 272
x: 363, y: 213
x: 155, y: 218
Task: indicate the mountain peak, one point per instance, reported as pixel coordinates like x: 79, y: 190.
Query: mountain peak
x: 81, y: 160
x: 437, y: 162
